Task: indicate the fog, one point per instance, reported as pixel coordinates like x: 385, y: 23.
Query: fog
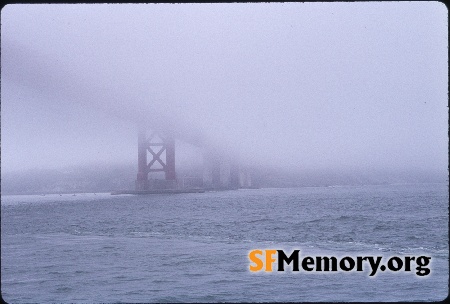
x: 298, y: 86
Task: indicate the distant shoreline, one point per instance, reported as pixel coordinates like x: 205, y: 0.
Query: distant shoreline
x: 131, y: 192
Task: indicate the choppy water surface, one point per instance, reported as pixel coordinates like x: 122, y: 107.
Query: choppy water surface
x: 194, y: 247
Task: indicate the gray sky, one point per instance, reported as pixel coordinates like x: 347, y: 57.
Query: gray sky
x: 297, y: 85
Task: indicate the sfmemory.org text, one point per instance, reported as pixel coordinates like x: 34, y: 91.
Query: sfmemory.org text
x: 264, y: 259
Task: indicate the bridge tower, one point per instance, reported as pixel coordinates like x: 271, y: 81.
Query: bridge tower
x: 162, y: 151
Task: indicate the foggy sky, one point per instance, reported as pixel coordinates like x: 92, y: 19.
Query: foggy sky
x: 294, y: 85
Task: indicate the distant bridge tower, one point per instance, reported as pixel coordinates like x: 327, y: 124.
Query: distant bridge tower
x: 162, y: 151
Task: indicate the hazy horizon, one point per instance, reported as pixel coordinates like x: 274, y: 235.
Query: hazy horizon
x: 296, y: 86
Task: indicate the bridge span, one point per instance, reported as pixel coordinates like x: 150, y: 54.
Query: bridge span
x: 157, y: 130
x: 156, y: 153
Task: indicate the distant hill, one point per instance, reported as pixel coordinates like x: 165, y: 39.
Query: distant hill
x: 69, y: 180
x: 307, y: 178
x: 107, y: 178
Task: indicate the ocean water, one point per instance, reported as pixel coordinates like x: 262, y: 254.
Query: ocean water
x: 194, y: 247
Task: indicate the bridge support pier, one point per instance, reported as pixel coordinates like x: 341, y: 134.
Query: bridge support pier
x: 221, y: 173
x: 215, y: 173
x: 234, y: 175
